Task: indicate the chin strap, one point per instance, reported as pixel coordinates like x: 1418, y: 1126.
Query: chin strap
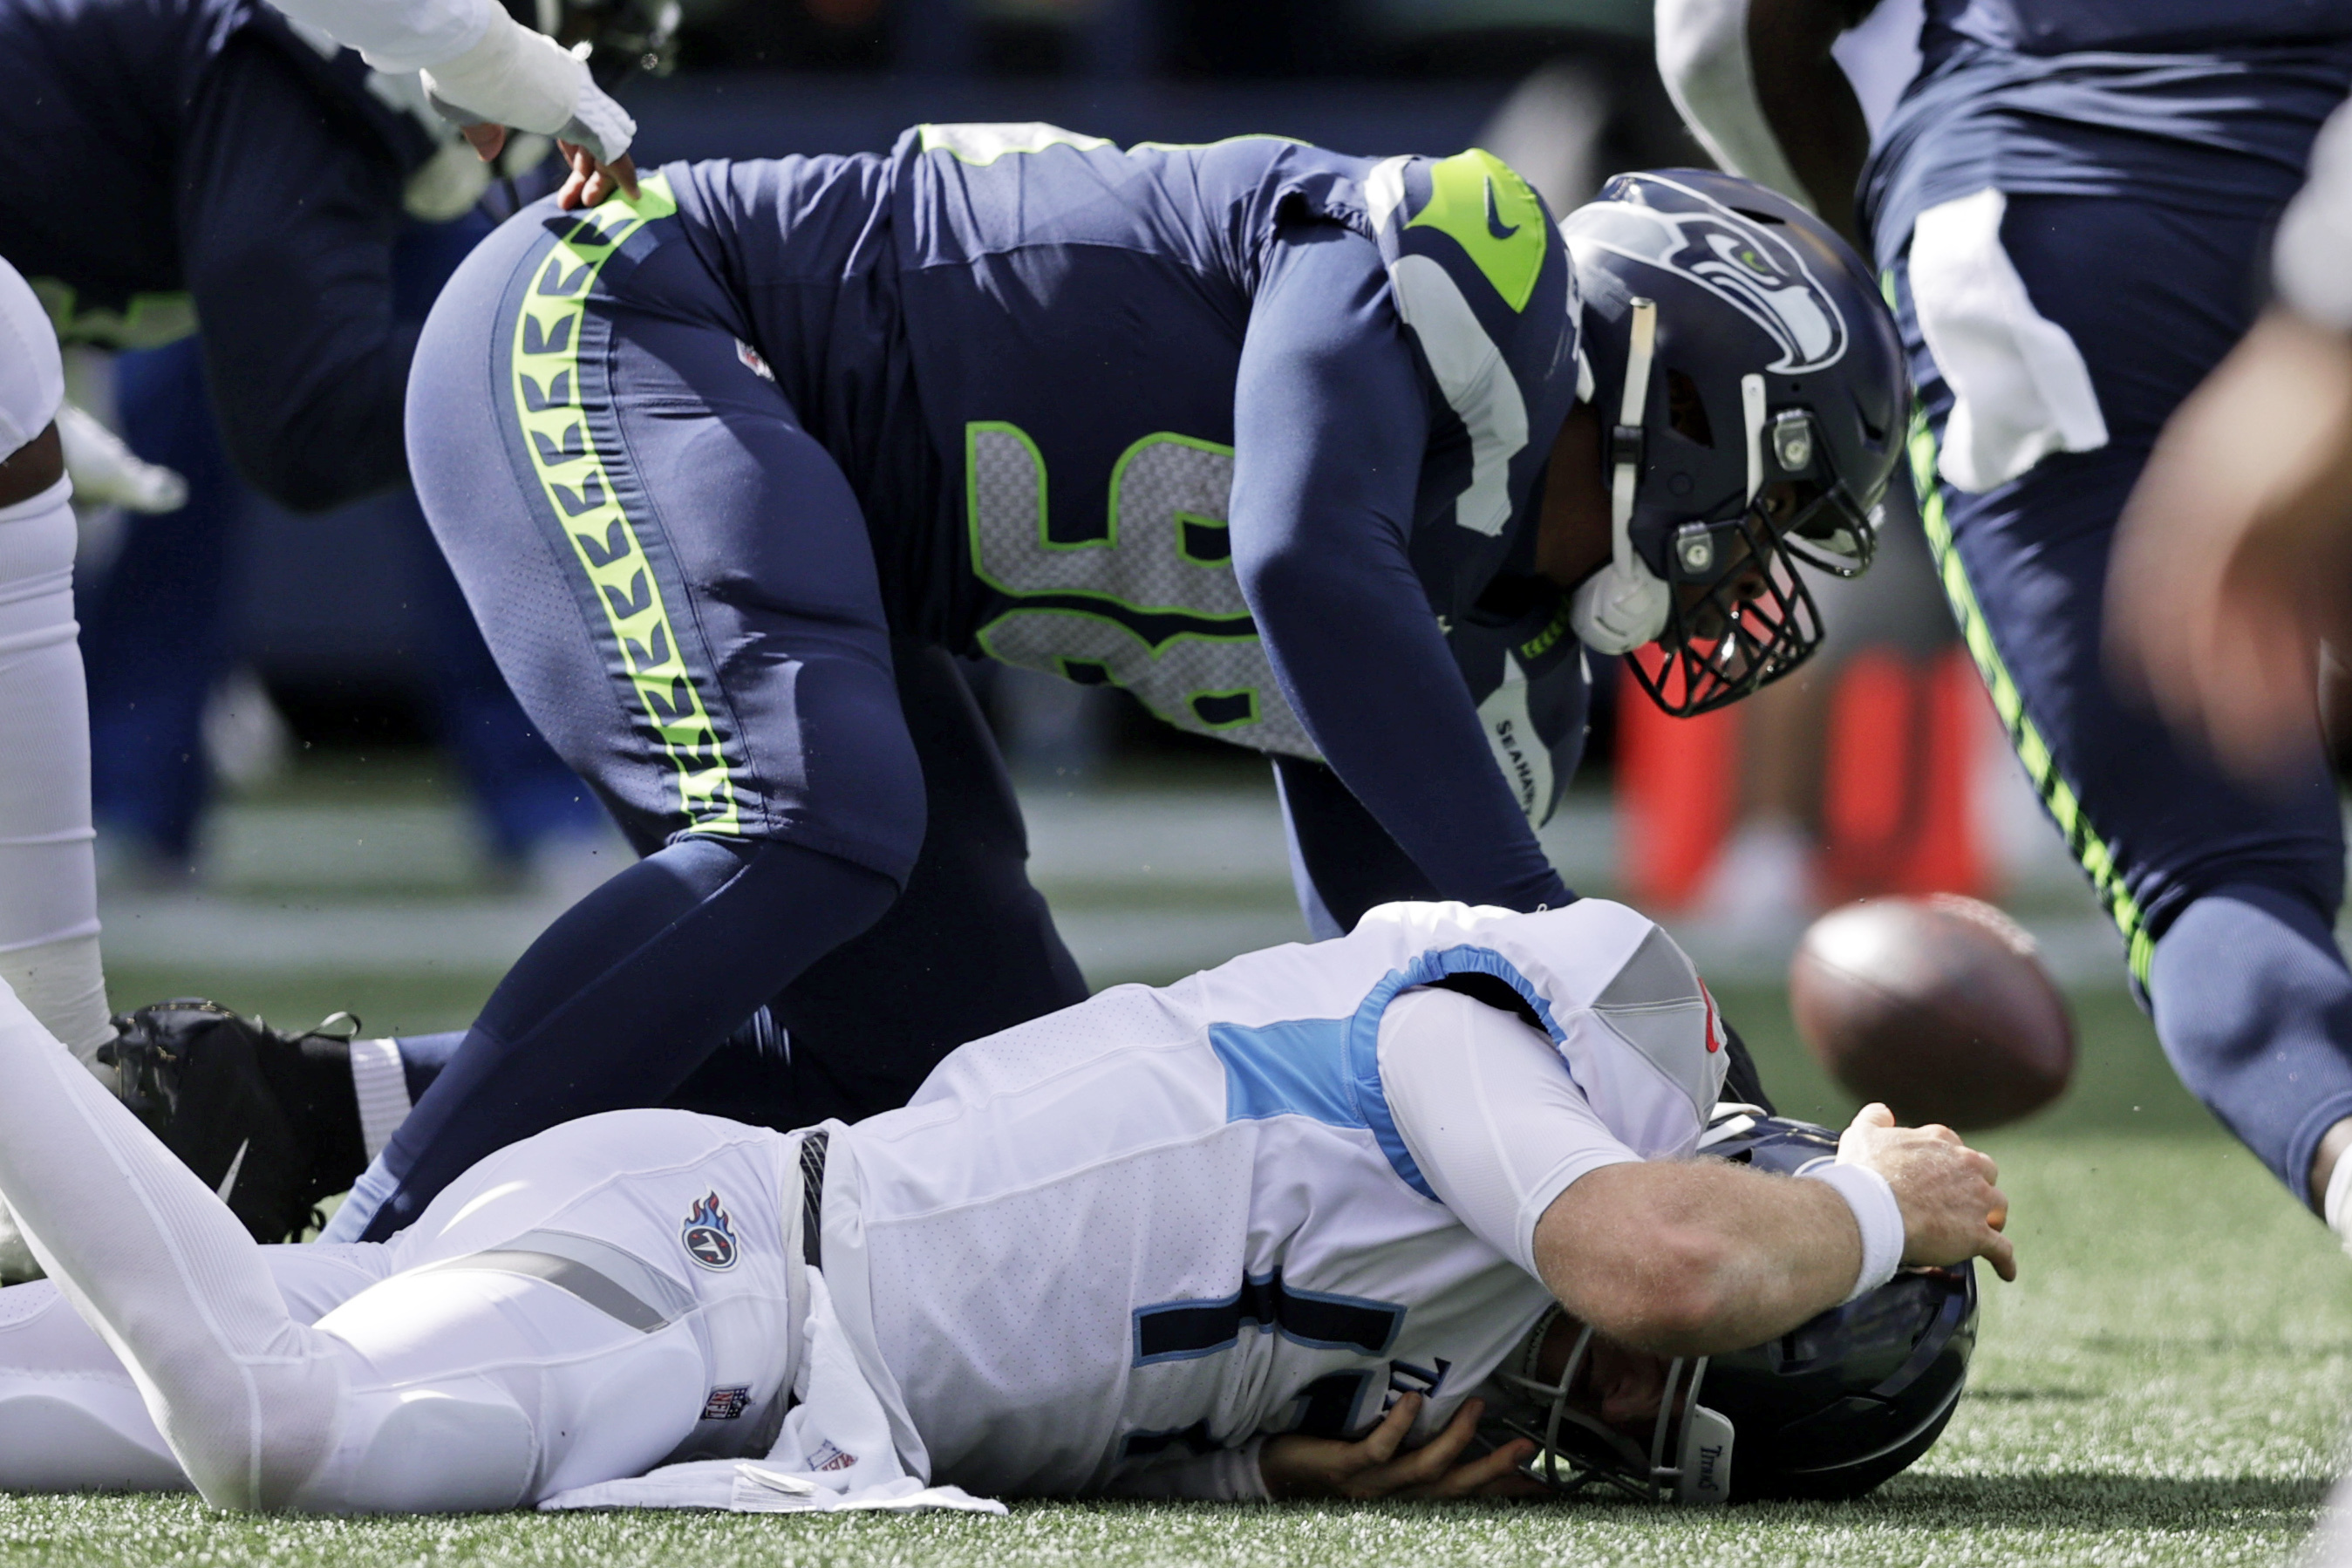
x: 1623, y: 604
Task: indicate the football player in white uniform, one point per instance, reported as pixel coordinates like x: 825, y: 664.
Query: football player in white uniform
x: 1257, y: 1233
x: 482, y: 67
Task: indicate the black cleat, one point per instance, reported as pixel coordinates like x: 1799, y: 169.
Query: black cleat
x: 264, y: 1118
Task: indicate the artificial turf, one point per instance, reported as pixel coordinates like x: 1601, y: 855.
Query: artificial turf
x: 2164, y: 1383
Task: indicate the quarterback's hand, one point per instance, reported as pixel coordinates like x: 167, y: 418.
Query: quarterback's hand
x: 1951, y: 1210
x: 1378, y: 1465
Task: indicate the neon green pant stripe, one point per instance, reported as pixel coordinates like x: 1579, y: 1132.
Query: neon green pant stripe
x: 2040, y: 765
x: 547, y: 401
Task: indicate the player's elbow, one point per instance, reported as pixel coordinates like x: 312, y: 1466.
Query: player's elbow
x: 309, y: 457
x: 1678, y: 1298
x: 293, y: 483
x: 1278, y: 576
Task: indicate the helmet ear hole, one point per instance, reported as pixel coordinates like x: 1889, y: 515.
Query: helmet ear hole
x: 1687, y: 411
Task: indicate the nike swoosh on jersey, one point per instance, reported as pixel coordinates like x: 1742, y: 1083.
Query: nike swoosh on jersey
x: 1494, y: 224
x: 228, y: 1183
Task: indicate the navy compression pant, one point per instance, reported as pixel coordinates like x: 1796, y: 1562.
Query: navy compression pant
x: 675, y: 577
x: 2226, y: 897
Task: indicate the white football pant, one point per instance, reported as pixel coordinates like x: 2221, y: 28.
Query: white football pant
x: 554, y: 1318
x: 48, y: 884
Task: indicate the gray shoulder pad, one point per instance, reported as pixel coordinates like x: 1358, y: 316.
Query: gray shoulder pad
x: 1656, y: 1005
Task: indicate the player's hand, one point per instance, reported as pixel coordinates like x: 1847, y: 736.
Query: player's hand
x: 2233, y: 558
x: 1378, y: 1465
x: 1951, y: 1210
x: 589, y: 181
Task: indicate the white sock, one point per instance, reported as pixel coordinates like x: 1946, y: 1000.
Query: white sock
x: 49, y: 877
x: 63, y: 984
x: 245, y: 1397
x: 381, y: 1085
x: 2336, y: 1206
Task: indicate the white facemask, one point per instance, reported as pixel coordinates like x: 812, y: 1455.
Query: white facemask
x: 1624, y: 604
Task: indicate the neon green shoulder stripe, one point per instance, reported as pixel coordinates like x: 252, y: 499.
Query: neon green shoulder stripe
x: 1493, y: 216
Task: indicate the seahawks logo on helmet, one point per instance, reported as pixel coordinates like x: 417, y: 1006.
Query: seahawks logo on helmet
x: 710, y: 1235
x: 1738, y: 260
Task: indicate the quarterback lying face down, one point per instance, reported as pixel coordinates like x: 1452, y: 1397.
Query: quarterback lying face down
x: 1445, y: 1207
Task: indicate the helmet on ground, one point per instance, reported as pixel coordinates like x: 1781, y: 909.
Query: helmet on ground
x: 1754, y: 396
x: 1826, y: 1411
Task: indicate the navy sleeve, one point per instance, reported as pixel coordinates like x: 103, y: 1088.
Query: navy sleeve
x: 288, y: 213
x: 1332, y: 420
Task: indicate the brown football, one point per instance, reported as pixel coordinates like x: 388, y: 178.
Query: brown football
x: 1936, y: 1005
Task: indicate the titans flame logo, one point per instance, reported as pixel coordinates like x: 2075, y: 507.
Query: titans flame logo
x: 710, y: 1235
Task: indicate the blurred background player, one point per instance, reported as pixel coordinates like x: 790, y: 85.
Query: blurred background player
x: 259, y: 185
x: 2232, y: 579
x: 2230, y: 593
x: 1852, y: 776
x: 2069, y: 203
x: 739, y: 643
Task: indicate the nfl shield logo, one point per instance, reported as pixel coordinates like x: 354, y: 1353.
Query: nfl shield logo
x: 709, y: 1236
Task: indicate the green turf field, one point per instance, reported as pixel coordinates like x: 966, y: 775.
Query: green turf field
x: 2164, y: 1384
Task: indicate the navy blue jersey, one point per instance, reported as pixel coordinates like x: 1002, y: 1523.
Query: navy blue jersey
x: 2208, y: 105
x: 2069, y: 27
x: 1238, y: 427
x: 172, y: 161
x: 103, y: 104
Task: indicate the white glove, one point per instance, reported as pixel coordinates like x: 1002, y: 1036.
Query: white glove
x: 1617, y: 609
x: 108, y: 473
x: 524, y: 80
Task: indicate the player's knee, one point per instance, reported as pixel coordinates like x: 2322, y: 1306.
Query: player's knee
x: 2241, y: 972
x: 2262, y: 924
x: 428, y: 1450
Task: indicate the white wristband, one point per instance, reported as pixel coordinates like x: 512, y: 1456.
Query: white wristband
x: 1865, y: 1192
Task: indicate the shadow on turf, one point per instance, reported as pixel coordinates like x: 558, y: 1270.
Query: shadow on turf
x: 2094, y: 1500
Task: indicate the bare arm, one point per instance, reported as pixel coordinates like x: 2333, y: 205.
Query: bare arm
x: 2231, y: 562
x: 1696, y: 1256
x: 1808, y: 101
x: 1756, y: 82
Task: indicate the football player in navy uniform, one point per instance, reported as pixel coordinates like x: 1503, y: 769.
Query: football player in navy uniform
x: 730, y: 470
x: 2069, y: 206
x: 212, y: 160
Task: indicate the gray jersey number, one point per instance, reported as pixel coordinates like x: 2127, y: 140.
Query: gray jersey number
x: 1165, y: 555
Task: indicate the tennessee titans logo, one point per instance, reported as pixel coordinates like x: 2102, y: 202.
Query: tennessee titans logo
x: 1741, y: 262
x: 710, y: 1235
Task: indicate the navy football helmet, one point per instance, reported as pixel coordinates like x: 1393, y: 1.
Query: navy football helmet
x: 1755, y: 399
x: 1827, y: 1411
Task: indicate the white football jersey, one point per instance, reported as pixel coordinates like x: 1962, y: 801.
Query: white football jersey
x: 1161, y: 1223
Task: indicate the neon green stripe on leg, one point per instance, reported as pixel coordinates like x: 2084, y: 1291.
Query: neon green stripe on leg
x: 579, y: 486
x: 2097, y: 861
